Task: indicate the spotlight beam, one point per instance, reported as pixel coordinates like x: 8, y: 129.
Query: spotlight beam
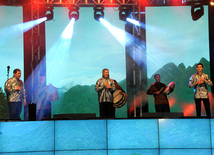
x: 16, y: 30
x: 68, y: 32
x: 124, y: 38
x: 116, y: 32
x: 136, y: 22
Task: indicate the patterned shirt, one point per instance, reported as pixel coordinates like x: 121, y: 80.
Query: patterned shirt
x: 105, y: 95
x: 200, y: 90
x: 10, y: 87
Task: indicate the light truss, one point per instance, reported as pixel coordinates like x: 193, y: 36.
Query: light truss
x: 89, y: 3
x: 35, y: 48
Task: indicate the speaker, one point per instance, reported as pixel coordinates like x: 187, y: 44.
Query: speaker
x: 32, y: 112
x: 63, y: 116
x: 153, y: 115
x: 173, y: 114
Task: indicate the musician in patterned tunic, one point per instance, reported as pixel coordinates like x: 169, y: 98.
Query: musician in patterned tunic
x: 14, y: 88
x: 199, y: 82
x: 105, y: 88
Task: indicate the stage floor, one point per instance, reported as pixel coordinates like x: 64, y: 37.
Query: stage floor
x: 113, y: 136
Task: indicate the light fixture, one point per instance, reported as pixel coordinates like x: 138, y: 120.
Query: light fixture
x: 98, y: 12
x: 73, y: 12
x: 124, y: 11
x: 212, y: 2
x: 49, y: 13
x: 197, y: 10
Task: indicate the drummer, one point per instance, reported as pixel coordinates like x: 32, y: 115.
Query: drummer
x: 159, y: 91
x: 105, y: 88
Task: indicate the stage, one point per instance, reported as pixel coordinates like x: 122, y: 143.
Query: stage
x: 113, y: 136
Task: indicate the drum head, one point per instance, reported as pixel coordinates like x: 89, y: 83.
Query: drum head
x: 119, y: 99
x: 121, y: 103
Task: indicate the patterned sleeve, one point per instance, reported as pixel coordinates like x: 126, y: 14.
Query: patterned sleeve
x: 208, y: 81
x: 23, y: 91
x: 99, y: 86
x: 8, y: 86
x: 191, y: 81
x: 113, y: 87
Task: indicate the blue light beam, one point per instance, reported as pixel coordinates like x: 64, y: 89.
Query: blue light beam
x: 6, y: 34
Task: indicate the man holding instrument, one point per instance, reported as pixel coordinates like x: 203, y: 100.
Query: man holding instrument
x: 105, y: 88
x: 160, y: 91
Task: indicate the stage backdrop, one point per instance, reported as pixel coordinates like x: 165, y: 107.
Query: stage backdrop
x: 175, y: 43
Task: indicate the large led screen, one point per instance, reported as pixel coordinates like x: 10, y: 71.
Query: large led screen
x: 175, y: 44
x: 74, y: 66
x: 11, y: 49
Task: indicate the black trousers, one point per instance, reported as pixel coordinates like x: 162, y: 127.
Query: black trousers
x: 206, y: 106
x: 162, y: 108
x: 107, y: 110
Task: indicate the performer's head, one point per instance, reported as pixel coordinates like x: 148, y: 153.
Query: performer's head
x: 157, y: 78
x: 17, y: 73
x: 199, y: 67
x: 105, y: 73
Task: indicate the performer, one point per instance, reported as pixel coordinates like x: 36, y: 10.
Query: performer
x: 43, y: 99
x: 200, y: 81
x: 105, y: 88
x: 160, y: 91
x: 14, y: 88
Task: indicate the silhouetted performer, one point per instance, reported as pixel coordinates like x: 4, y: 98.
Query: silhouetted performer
x: 44, y: 95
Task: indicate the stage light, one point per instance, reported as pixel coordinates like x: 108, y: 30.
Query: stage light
x: 212, y: 2
x: 49, y: 13
x: 197, y: 10
x: 124, y: 12
x: 98, y: 12
x: 73, y: 12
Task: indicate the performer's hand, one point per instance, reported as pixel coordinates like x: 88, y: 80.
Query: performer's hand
x: 18, y: 88
x: 202, y: 79
x: 157, y: 92
x: 173, y: 85
x: 107, y: 85
x: 199, y: 82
